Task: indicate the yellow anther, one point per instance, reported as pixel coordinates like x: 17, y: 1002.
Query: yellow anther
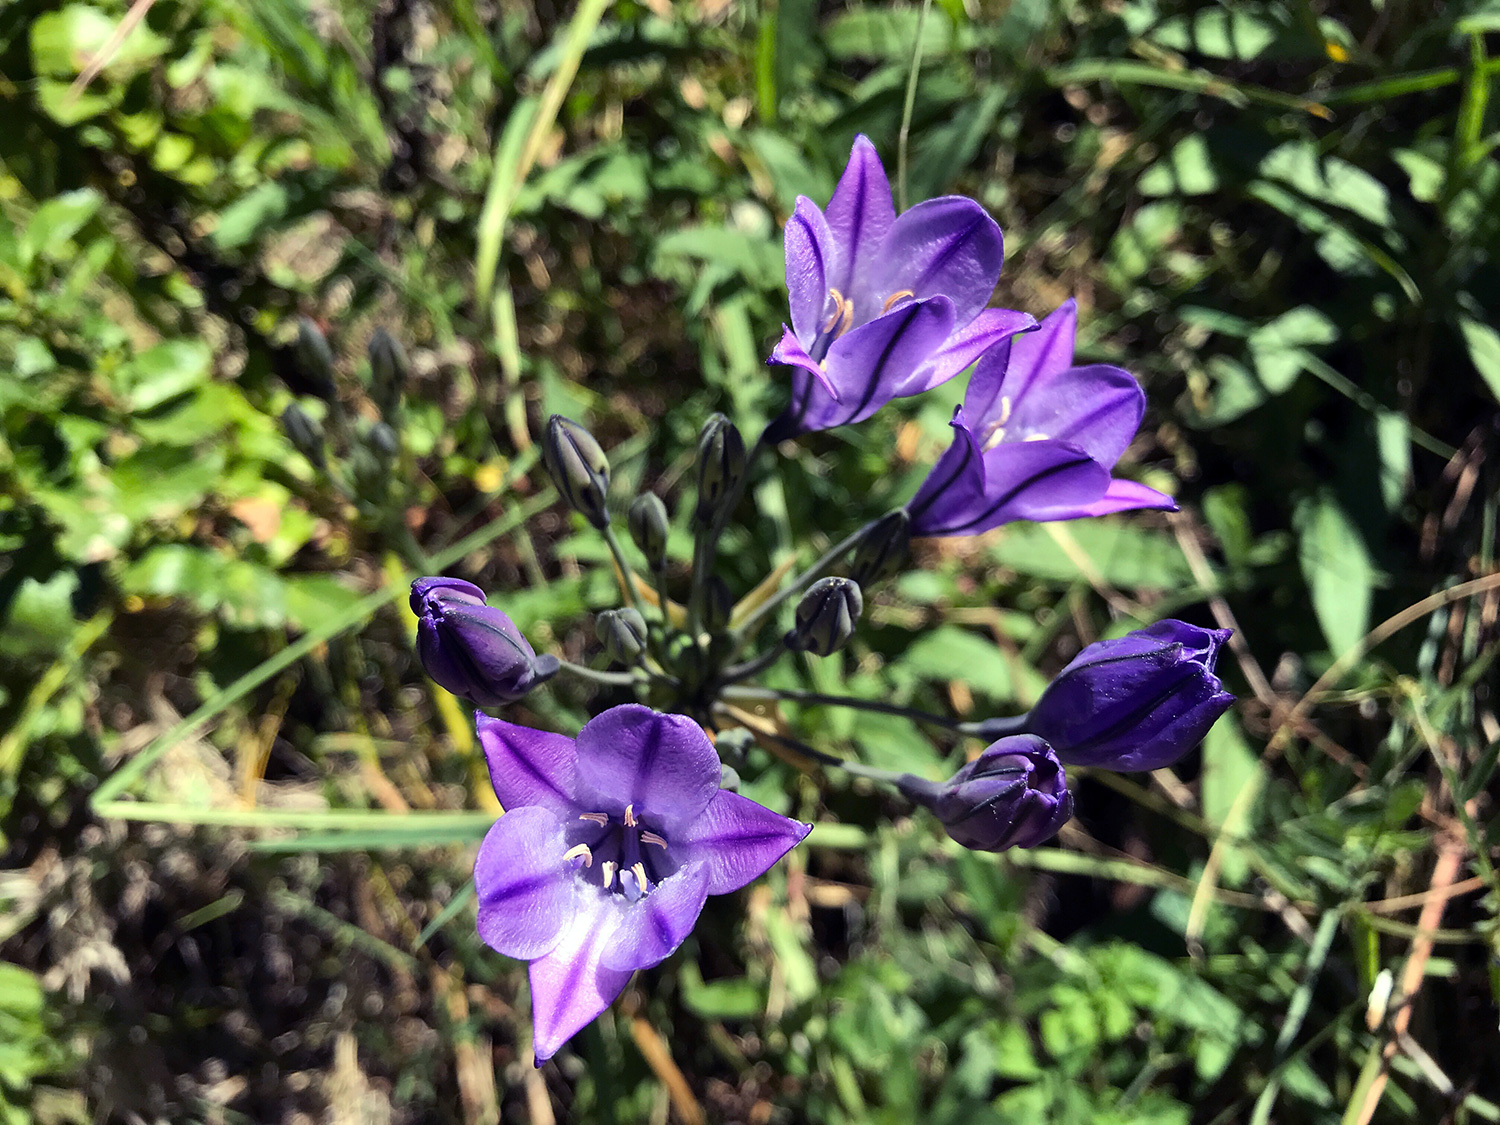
x: 838, y: 309
x: 894, y: 297
x: 1004, y: 409
x: 582, y: 851
x: 653, y: 838
x: 993, y: 436
x: 639, y: 871
x: 629, y: 816
x: 609, y: 867
x: 599, y: 818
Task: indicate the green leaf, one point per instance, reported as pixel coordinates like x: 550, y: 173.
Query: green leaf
x: 56, y: 222
x: 1187, y: 170
x: 1278, y: 346
x: 1230, y: 768
x: 1217, y: 32
x: 1120, y: 553
x: 1484, y: 349
x: 1338, y: 569
x: 64, y: 43
x: 164, y: 372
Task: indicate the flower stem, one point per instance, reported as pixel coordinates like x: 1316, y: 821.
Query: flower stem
x: 736, y: 672
x: 911, y: 101
x: 615, y: 679
x: 627, y: 575
x: 995, y: 728
x: 853, y: 702
x: 811, y: 574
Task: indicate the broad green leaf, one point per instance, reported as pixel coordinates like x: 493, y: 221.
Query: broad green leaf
x: 1338, y: 569
x: 165, y: 371
x: 57, y: 221
x: 63, y: 43
x: 1186, y: 170
x: 1218, y: 32
x: 1120, y: 553
x: 1230, y: 767
x: 1277, y: 347
x: 1484, y: 349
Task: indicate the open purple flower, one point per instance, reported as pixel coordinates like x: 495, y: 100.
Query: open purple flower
x: 606, y: 853
x: 884, y: 306
x: 1035, y: 439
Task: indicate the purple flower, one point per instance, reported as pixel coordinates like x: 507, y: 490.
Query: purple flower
x: 473, y: 649
x: 1035, y: 439
x: 1014, y: 795
x: 884, y: 307
x: 1136, y: 703
x: 608, y: 848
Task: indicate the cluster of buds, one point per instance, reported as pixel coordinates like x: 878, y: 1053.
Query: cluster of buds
x: 611, y: 843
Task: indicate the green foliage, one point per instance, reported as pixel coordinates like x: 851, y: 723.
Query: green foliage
x: 1283, y: 218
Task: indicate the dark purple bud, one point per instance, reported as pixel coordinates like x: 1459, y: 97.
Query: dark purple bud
x: 314, y: 357
x: 578, y: 468
x: 388, y: 370
x: 649, y: 526
x: 721, y: 465
x: 1014, y: 795
x: 1136, y: 703
x: 304, y: 433
x: 624, y: 634
x: 883, y: 552
x: 472, y: 649
x: 826, y: 616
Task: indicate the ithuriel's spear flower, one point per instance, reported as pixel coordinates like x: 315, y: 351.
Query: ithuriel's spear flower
x: 1014, y: 795
x: 1136, y: 703
x: 606, y: 853
x: 472, y: 649
x: 1035, y: 439
x: 884, y: 306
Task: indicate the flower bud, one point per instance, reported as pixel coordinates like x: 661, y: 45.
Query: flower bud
x: 578, y: 467
x: 648, y: 524
x: 472, y: 649
x: 718, y: 605
x: 721, y: 465
x: 826, y: 616
x: 314, y: 358
x: 303, y: 431
x: 1014, y: 795
x: 624, y: 634
x: 1136, y: 703
x: 883, y: 552
x: 388, y: 369
x: 383, y: 440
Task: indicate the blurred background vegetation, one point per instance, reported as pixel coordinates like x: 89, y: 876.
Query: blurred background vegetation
x: 238, y: 822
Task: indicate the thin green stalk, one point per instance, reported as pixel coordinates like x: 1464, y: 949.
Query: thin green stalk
x: 850, y: 701
x: 627, y: 575
x: 736, y: 672
x: 910, y: 105
x: 614, y: 679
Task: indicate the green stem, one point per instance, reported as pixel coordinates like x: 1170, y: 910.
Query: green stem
x: 854, y: 703
x: 736, y: 672
x: 627, y: 575
x: 911, y: 101
x: 615, y: 679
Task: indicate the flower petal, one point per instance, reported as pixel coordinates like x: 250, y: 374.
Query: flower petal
x: 986, y: 331
x: 527, y: 894
x: 571, y: 985
x: 809, y: 259
x: 1097, y: 408
x: 529, y: 767
x: 737, y: 840
x: 868, y: 365
x: 859, y: 215
x: 954, y: 485
x: 652, y: 927
x: 1127, y: 495
x: 946, y: 247
x: 663, y: 765
x: 1045, y: 352
x: 790, y: 352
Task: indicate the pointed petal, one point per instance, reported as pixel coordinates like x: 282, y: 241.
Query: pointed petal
x: 954, y: 486
x: 526, y: 891
x: 790, y: 352
x: 528, y: 767
x: 867, y: 365
x: 1127, y: 495
x: 944, y: 247
x: 737, y: 840
x: 809, y: 259
x: 663, y: 765
x: 1046, y: 351
x: 651, y: 928
x: 987, y: 331
x: 571, y: 985
x: 859, y: 214
x: 1097, y: 408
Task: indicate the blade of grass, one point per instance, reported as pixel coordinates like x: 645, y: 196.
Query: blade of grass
x: 458, y: 902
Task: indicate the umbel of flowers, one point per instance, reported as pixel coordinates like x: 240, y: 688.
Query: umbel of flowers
x: 611, y: 841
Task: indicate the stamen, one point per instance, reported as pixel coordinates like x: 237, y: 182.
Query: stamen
x: 639, y: 871
x: 608, y: 868
x: 580, y: 851
x: 1004, y: 409
x: 629, y: 816
x: 992, y: 437
x: 894, y: 297
x: 653, y: 838
x: 1037, y: 437
x: 839, y: 304
x: 599, y: 818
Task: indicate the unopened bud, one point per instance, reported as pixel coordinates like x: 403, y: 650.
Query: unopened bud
x: 315, y: 357
x: 1014, y: 795
x: 578, y: 468
x: 472, y: 649
x: 826, y: 616
x: 384, y: 442
x: 721, y: 465
x: 883, y: 552
x: 718, y: 605
x: 624, y: 634
x: 388, y: 370
x: 648, y: 523
x: 303, y: 431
